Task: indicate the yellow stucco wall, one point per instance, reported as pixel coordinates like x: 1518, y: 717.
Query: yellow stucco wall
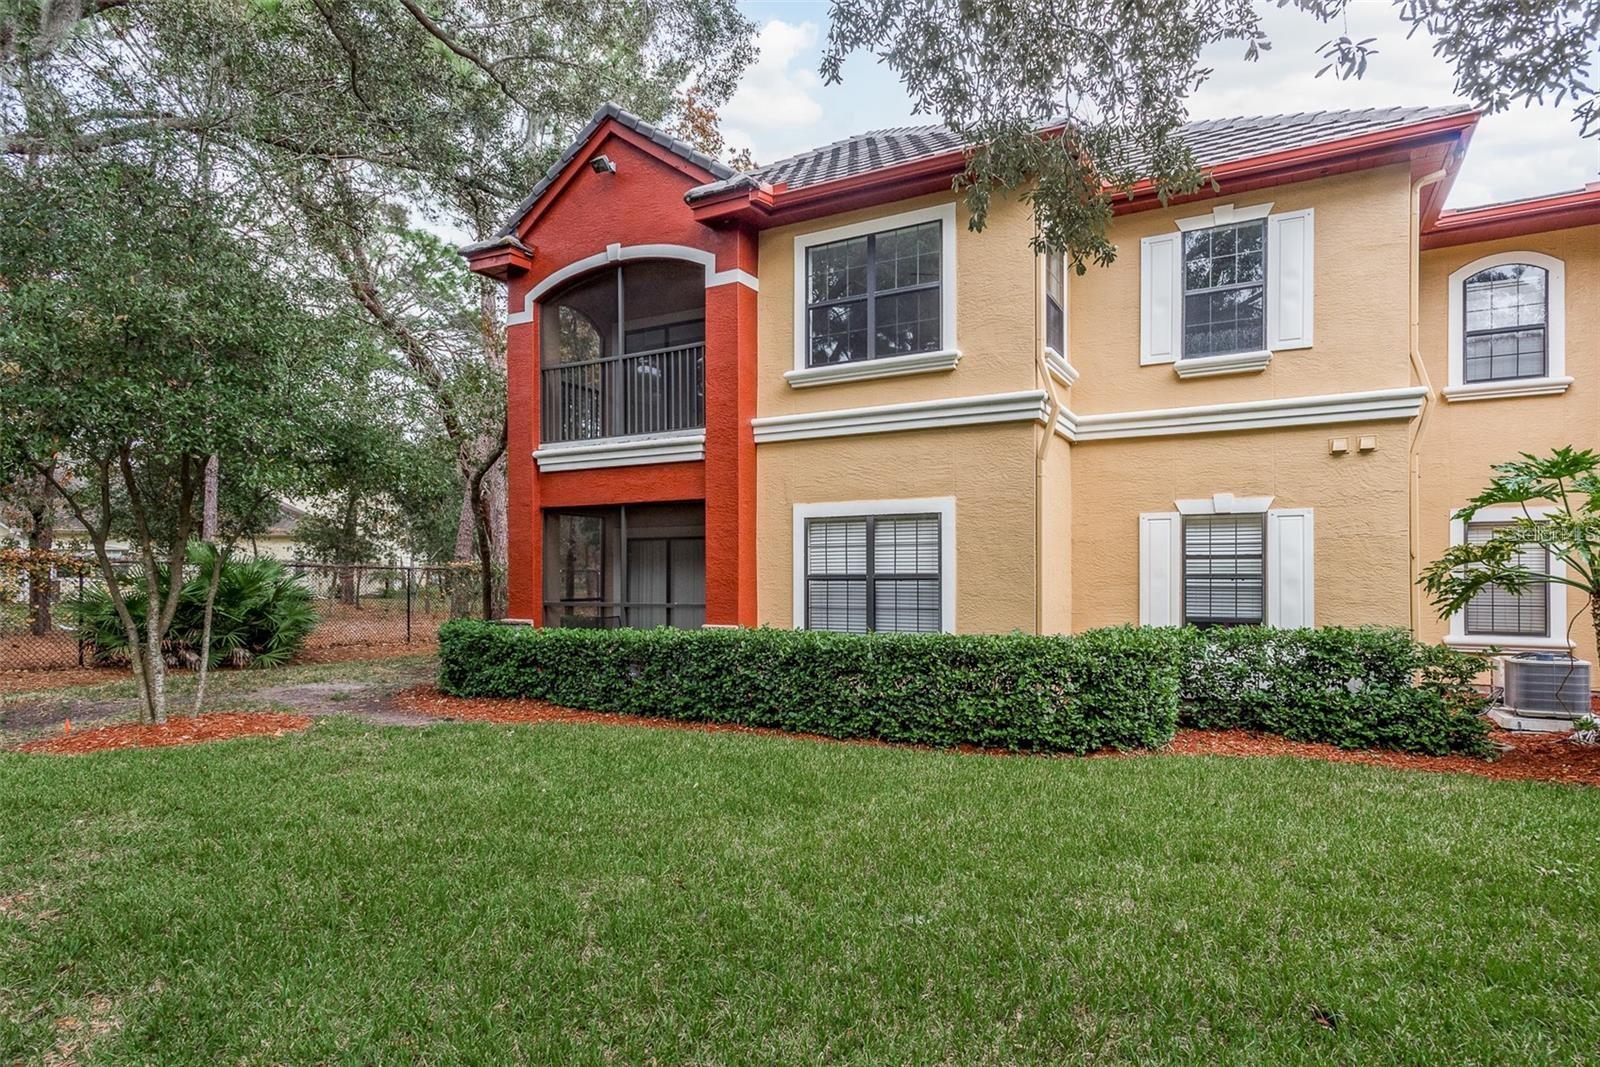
x: 1359, y: 503
x: 996, y: 304
x: 1362, y: 330
x: 1080, y: 504
x: 1461, y: 440
x: 988, y: 469
x: 1056, y: 558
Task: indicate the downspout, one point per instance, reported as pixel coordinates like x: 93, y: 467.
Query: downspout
x: 1053, y: 413
x: 1413, y: 449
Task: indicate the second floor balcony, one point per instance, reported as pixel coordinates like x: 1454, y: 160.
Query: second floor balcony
x: 622, y: 354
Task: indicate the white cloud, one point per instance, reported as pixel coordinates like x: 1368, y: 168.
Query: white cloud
x: 776, y: 109
x: 1522, y: 152
x: 782, y: 107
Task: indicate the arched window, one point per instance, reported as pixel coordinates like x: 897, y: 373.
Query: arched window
x: 622, y: 352
x: 1506, y: 327
x: 1506, y: 332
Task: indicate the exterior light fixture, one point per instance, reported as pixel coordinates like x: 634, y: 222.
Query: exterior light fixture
x: 603, y: 165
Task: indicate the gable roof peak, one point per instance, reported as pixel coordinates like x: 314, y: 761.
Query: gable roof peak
x: 613, y: 112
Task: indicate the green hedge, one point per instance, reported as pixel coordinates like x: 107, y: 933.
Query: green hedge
x: 1367, y: 687
x: 1123, y: 687
x: 1113, y: 688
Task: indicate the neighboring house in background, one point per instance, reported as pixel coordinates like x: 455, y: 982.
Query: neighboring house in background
x: 810, y: 396
x: 278, y: 541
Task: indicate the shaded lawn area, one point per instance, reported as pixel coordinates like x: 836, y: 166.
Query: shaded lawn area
x: 588, y: 894
x: 27, y: 713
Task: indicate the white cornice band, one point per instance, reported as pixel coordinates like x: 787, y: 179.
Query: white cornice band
x: 623, y: 452
x: 1030, y: 405
x: 1373, y: 406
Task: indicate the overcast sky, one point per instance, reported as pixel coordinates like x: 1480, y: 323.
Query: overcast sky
x: 782, y: 107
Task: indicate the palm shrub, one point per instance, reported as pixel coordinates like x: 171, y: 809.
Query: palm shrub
x: 261, y: 618
x: 1558, y: 497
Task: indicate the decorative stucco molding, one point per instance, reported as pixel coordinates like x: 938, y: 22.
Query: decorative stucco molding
x: 621, y: 452
x: 1027, y: 406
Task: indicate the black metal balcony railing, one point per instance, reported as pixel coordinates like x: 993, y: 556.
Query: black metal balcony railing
x: 661, y: 391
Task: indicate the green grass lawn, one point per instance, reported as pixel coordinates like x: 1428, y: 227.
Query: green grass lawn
x: 598, y: 894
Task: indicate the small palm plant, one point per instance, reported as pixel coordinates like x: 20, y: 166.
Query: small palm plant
x: 1565, y: 486
x: 261, y: 617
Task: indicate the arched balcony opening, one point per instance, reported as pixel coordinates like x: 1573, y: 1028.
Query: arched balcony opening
x: 622, y: 353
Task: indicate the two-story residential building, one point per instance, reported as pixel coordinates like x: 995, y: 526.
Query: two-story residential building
x: 811, y: 396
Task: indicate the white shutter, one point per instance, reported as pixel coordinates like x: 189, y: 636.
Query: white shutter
x: 1291, y: 288
x: 1160, y: 569
x: 1291, y: 569
x: 1160, y: 298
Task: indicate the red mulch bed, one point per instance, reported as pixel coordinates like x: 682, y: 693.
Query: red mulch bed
x: 1531, y: 757
x: 178, y: 730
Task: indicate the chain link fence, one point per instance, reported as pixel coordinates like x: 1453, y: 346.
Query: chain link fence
x: 363, y: 610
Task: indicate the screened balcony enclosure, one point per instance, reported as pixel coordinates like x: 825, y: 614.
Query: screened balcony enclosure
x: 641, y: 565
x: 623, y: 353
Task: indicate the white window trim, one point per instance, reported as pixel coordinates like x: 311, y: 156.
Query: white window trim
x: 1556, y: 614
x: 1225, y: 215
x: 1234, y: 362
x: 949, y: 352
x: 1225, y: 504
x: 1061, y: 370
x: 1057, y: 363
x: 1219, y: 504
x: 862, y: 369
x: 943, y: 506
x: 1228, y: 363
x: 1555, y: 380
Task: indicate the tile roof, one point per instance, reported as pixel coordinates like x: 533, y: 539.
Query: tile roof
x: 1214, y: 141
x: 1559, y: 194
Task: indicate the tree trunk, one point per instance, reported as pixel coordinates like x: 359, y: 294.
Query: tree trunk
x: 1594, y: 616
x: 41, y: 580
x: 347, y: 574
x: 155, y: 676
x: 465, y: 521
x: 205, y: 629
x: 98, y: 531
x: 480, y: 508
x: 208, y: 514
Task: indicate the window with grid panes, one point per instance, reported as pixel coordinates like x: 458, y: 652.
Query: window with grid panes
x: 1224, y: 570
x: 873, y: 573
x: 1055, y: 303
x: 874, y: 296
x: 1496, y: 612
x: 1505, y: 332
x: 1225, y: 289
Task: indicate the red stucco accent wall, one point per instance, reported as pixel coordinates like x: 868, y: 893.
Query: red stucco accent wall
x: 580, y: 216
